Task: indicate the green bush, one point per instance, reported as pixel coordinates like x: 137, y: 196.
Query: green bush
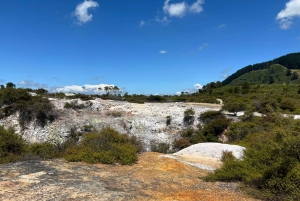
x: 181, y: 144
x: 12, y: 146
x: 30, y: 107
x: 287, y: 104
x: 168, y: 120
x: 271, y: 164
x: 227, y: 155
x: 74, y: 105
x: 43, y: 150
x: 161, y: 147
x: 188, y: 116
x: 208, y: 116
x: 106, y: 146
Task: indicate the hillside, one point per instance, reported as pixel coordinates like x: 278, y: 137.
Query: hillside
x: 275, y: 74
x: 290, y: 61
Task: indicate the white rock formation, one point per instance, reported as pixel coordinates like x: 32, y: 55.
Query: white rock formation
x: 145, y: 121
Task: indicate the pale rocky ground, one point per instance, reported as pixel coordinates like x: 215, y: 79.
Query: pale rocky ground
x: 154, y: 177
x: 145, y: 121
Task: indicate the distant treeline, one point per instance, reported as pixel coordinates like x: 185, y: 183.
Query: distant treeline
x: 290, y: 61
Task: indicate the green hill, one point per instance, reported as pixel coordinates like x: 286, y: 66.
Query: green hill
x: 290, y: 61
x: 275, y: 74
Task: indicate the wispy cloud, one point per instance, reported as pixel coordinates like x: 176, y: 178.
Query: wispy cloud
x: 163, y: 52
x: 203, y: 46
x: 142, y: 23
x: 221, y: 26
x: 81, y: 11
x: 291, y: 10
x: 1, y: 80
x: 224, y: 73
x: 196, y: 7
x: 180, y: 9
x: 31, y: 84
x: 163, y: 20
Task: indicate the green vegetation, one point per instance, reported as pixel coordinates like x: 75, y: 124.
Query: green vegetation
x: 106, y: 146
x: 270, y: 168
x: 188, y: 116
x: 290, y: 61
x: 74, y: 105
x: 160, y: 147
x: 29, y: 107
x: 12, y: 146
x: 275, y: 74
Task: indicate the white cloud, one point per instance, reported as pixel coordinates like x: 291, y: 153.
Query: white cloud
x: 81, y: 11
x: 291, y: 10
x: 163, y: 52
x: 30, y: 84
x: 203, y: 46
x: 196, y: 7
x: 176, y: 9
x: 142, y: 23
x: 198, y: 86
x: 87, y: 88
x: 180, y: 9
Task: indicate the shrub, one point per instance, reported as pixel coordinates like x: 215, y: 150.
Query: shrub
x: 106, y: 146
x: 208, y: 116
x: 88, y: 128
x: 227, y: 155
x: 216, y: 127
x: 74, y: 105
x: 168, y: 120
x: 43, y: 150
x: 181, y: 144
x: 287, y: 104
x: 12, y: 146
x: 271, y: 164
x: 161, y: 147
x: 188, y: 117
x: 114, y: 113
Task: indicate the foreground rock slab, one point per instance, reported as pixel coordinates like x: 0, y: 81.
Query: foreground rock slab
x: 152, y: 178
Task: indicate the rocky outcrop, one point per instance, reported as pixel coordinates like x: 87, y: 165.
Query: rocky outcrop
x: 148, y: 121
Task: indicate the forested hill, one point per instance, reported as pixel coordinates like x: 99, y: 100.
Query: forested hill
x: 290, y: 61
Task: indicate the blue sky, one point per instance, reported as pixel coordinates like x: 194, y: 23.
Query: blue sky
x: 141, y: 46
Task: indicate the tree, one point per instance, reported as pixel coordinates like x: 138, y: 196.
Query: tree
x: 10, y: 85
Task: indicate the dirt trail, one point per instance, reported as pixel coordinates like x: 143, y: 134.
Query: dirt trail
x: 152, y: 178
